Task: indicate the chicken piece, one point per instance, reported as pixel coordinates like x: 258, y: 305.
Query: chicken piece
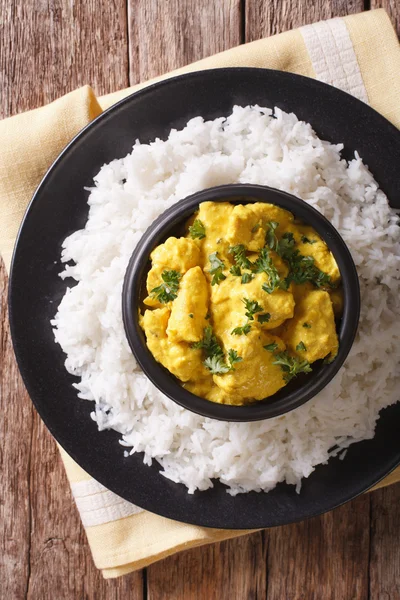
x: 309, y: 243
x: 247, y: 224
x: 179, y: 358
x: 189, y: 309
x: 228, y: 309
x: 214, y: 216
x: 255, y: 377
x: 311, y: 334
x: 179, y: 254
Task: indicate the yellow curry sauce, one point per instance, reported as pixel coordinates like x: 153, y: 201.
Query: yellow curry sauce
x: 243, y: 303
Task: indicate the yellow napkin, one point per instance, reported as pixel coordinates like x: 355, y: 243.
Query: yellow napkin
x: 359, y: 54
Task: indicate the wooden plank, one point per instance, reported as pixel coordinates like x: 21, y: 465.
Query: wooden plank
x: 325, y: 557
x: 392, y: 7
x: 385, y: 548
x: 48, y: 48
x: 167, y: 35
x: 60, y: 559
x: 224, y: 571
x: 275, y: 16
x: 15, y: 435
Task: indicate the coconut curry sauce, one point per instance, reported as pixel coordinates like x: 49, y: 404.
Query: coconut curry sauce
x: 242, y: 304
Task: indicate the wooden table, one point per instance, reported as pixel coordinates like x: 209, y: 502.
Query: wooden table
x: 47, y: 48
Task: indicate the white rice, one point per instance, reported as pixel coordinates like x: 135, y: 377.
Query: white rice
x: 252, y: 145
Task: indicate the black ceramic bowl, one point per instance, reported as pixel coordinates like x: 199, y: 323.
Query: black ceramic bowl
x: 172, y: 222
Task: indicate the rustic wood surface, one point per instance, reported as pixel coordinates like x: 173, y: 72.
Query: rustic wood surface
x: 47, y: 48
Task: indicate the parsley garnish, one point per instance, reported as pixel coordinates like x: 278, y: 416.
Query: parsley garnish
x: 197, y: 230
x: 285, y: 246
x: 216, y: 365
x: 241, y: 330
x: 246, y: 277
x: 235, y: 270
x: 233, y: 357
x: 301, y: 268
x: 305, y: 240
x: 307, y: 325
x: 270, y: 237
x: 271, y: 347
x: 264, y: 318
x: 191, y: 315
x: 265, y: 265
x: 291, y: 366
x: 217, y: 266
x: 239, y: 256
x: 256, y: 228
x: 167, y: 291
x: 215, y: 360
x: 252, y: 307
x: 301, y: 347
x: 209, y: 343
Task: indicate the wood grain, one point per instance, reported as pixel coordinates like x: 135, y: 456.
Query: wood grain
x: 392, y: 7
x: 170, y: 34
x: 49, y: 47
x: 385, y: 547
x: 325, y: 557
x: 231, y: 569
x: 268, y: 18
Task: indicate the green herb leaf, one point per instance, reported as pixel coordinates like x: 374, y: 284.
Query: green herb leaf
x: 197, y: 230
x: 256, y: 228
x: 271, y: 347
x: 233, y: 357
x: 168, y: 290
x: 217, y: 266
x: 265, y: 265
x: 209, y: 344
x: 285, y: 246
x: 252, y: 307
x: 307, y: 325
x: 239, y: 256
x: 246, y: 277
x: 264, y: 318
x: 216, y: 365
x: 270, y: 237
x: 242, y: 330
x: 301, y: 347
x: 291, y: 366
x: 305, y: 240
x: 191, y: 315
x: 301, y: 268
x: 235, y: 270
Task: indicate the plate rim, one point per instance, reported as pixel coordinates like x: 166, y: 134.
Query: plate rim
x: 391, y: 129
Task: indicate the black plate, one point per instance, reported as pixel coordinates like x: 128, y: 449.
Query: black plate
x: 59, y: 207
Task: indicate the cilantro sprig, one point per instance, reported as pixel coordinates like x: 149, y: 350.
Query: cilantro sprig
x: 168, y: 289
x: 215, y: 360
x: 239, y: 256
x: 252, y: 308
x: 265, y: 265
x: 291, y: 365
x: 197, y: 230
x: 217, y: 267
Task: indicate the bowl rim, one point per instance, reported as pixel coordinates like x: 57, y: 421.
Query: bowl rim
x: 179, y: 213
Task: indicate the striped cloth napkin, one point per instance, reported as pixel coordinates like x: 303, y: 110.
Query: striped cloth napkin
x: 359, y: 54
